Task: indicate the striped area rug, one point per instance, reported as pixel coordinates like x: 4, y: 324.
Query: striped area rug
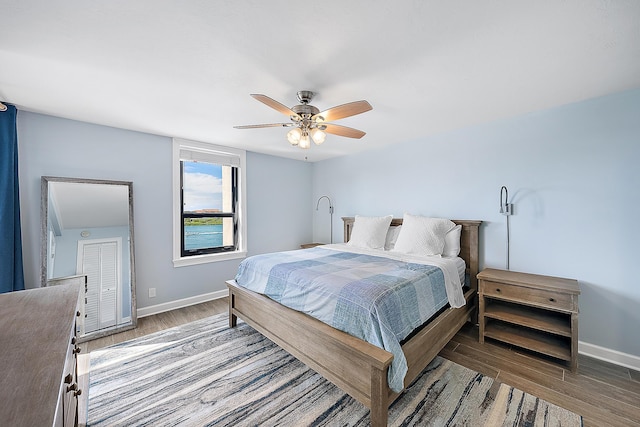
x: 206, y: 374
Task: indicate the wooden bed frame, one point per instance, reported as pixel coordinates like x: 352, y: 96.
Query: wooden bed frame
x: 354, y: 365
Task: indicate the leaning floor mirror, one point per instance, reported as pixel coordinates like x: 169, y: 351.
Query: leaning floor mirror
x: 87, y: 237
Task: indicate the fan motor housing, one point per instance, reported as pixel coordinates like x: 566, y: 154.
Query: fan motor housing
x: 305, y: 109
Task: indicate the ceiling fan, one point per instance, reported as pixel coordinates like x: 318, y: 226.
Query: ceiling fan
x: 309, y: 122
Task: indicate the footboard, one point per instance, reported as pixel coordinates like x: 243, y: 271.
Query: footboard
x: 355, y: 366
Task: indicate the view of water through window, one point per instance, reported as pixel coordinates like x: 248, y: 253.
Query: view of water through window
x: 202, y: 236
x: 202, y: 193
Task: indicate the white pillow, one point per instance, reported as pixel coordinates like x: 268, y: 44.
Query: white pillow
x: 392, y: 236
x: 422, y: 235
x: 452, y: 242
x: 370, y: 231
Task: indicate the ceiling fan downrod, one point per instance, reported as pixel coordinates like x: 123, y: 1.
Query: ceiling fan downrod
x: 305, y: 96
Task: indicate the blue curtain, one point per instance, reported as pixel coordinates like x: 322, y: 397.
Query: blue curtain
x: 11, y: 272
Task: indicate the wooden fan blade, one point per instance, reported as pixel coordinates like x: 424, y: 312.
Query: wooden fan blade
x: 266, y: 125
x: 275, y: 105
x: 343, y: 131
x: 344, y: 110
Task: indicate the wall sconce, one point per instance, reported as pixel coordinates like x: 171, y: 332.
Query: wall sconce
x: 506, y: 209
x: 330, y: 214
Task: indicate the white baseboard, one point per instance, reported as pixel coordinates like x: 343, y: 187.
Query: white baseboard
x: 608, y: 355
x: 185, y: 302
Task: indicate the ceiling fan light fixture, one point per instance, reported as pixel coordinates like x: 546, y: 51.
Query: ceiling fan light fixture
x: 304, y: 141
x: 294, y: 136
x: 318, y: 136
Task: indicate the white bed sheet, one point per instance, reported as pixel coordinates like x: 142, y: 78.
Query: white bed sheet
x: 462, y: 268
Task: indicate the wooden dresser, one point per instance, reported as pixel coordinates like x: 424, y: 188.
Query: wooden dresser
x: 38, y: 379
x: 81, y: 281
x: 538, y: 313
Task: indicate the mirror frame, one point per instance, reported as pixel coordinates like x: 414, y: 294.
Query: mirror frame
x: 44, y: 213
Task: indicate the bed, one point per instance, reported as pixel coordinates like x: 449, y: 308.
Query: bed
x: 356, y: 366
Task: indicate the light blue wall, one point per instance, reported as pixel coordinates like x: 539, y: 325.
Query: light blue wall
x: 278, y: 199
x: 279, y: 194
x: 573, y: 175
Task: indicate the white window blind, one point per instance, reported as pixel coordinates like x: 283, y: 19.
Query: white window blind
x: 199, y: 155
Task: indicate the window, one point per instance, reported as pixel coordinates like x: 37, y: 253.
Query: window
x: 209, y: 199
x: 209, y: 221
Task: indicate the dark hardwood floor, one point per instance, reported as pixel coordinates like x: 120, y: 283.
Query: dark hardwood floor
x: 603, y: 393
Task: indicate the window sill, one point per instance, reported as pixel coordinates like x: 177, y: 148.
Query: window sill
x: 204, y: 259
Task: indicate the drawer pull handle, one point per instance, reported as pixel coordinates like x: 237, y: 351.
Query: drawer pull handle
x: 552, y: 299
x: 68, y: 379
x: 77, y: 393
x: 498, y: 290
x: 78, y: 313
x: 72, y: 387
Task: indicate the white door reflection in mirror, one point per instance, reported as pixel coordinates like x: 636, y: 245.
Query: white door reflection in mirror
x: 99, y: 260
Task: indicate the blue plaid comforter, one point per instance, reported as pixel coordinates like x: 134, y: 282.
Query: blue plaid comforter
x: 377, y: 299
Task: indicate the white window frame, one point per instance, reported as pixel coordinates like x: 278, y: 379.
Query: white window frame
x: 212, y: 150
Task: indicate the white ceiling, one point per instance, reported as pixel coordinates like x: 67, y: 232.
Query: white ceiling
x: 186, y: 68
x: 85, y: 205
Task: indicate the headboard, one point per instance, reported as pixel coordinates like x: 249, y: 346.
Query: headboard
x: 469, y: 249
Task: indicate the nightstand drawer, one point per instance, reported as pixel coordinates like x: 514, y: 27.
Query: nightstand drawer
x: 538, y: 297
x: 310, y: 245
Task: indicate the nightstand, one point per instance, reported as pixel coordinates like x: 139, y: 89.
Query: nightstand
x: 537, y: 313
x: 310, y: 245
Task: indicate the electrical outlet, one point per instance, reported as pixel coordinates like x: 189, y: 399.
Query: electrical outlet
x: 152, y: 292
